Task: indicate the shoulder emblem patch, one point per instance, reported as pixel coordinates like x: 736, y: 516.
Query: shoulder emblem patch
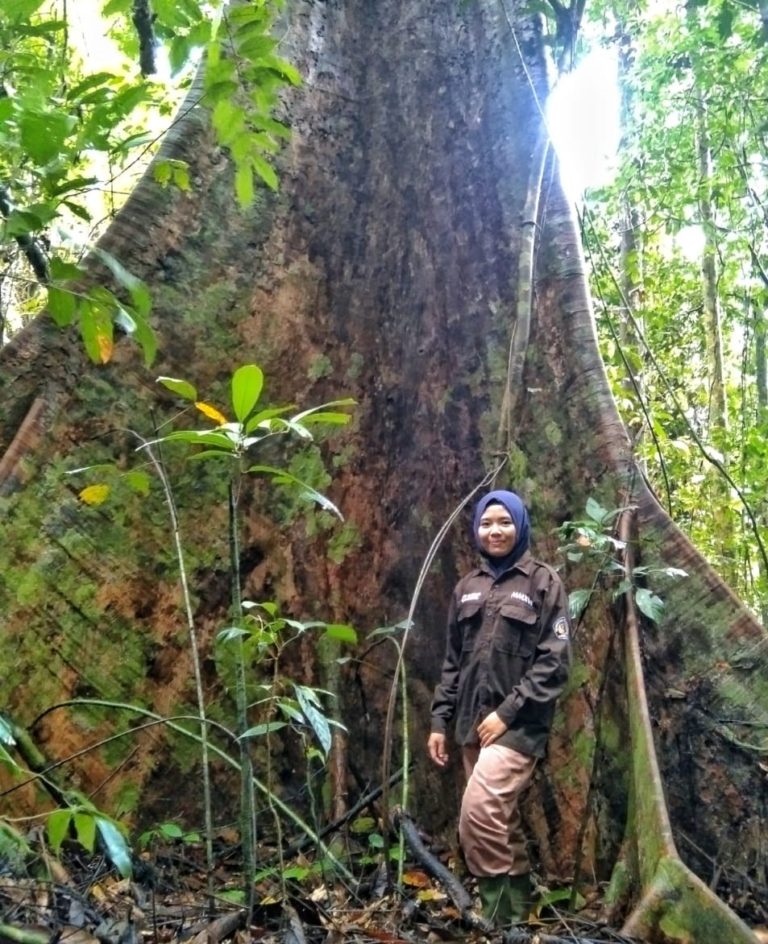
x: 561, y: 628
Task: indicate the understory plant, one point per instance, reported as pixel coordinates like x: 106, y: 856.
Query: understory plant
x: 256, y: 632
x: 592, y: 541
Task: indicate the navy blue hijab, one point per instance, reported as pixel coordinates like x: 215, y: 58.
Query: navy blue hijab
x: 519, y: 514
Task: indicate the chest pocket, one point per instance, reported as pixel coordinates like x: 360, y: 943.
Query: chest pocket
x: 516, y: 632
x: 469, y: 620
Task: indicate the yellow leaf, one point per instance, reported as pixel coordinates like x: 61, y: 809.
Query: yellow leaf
x: 430, y: 894
x: 106, y: 347
x: 94, y: 494
x: 211, y: 412
x: 416, y: 879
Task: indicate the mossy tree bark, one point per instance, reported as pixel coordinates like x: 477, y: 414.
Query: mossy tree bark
x: 386, y: 269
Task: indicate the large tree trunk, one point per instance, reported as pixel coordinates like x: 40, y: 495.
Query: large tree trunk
x: 386, y: 269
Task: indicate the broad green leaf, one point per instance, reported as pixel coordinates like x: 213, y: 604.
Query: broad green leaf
x: 232, y: 632
x: 62, y: 306
x: 341, y: 632
x: 265, y: 170
x: 117, y: 848
x: 43, y: 133
x: 180, y: 387
x: 210, y: 438
x: 96, y: 330
x: 255, y: 47
x: 263, y: 417
x: 281, y: 477
x: 577, y: 602
x: 171, y: 830
x: 57, y: 827
x: 247, y: 384
x: 265, y: 728
x: 6, y: 733
x: 596, y: 511
x: 363, y: 824
x: 649, y: 604
x: 62, y: 270
x: 123, y: 276
x: 244, y: 185
x: 348, y: 401
x: 316, y: 719
x: 674, y: 572
x: 5, y: 758
x: 85, y: 830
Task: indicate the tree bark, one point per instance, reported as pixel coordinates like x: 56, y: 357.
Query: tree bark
x: 384, y: 269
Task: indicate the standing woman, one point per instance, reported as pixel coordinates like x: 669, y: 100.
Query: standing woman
x: 506, y: 661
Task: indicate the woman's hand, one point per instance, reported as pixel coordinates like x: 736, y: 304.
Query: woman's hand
x: 490, y: 729
x: 437, y: 748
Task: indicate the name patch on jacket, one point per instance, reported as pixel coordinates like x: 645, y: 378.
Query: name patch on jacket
x: 519, y: 595
x: 467, y: 597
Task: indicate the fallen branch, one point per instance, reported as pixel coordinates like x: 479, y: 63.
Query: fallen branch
x: 456, y: 891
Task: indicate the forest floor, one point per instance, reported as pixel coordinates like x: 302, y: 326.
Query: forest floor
x: 82, y: 900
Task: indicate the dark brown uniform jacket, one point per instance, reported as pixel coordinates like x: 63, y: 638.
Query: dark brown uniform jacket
x: 507, y: 651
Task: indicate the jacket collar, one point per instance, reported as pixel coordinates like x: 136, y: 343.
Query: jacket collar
x: 523, y: 564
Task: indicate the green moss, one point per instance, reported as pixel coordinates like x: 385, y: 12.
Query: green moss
x: 356, y: 364
x: 320, y: 367
x: 579, y: 675
x: 553, y: 434
x: 344, y: 456
x: 344, y: 542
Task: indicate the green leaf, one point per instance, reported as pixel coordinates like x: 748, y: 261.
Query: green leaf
x: 316, y: 719
x: 232, y: 632
x: 42, y: 134
x: 62, y: 306
x: 649, y: 604
x: 332, y: 419
x: 341, y: 632
x: 117, y: 848
x: 577, y: 602
x: 180, y: 387
x: 6, y: 733
x: 244, y: 185
x: 85, y: 830
x: 138, y: 481
x: 596, y: 511
x: 265, y: 170
x: 63, y: 271
x: 57, y: 827
x: 247, y: 384
x: 255, y: 47
x: 263, y: 417
x: 363, y: 824
x: 5, y: 758
x: 265, y: 728
x: 281, y: 477
x: 171, y: 830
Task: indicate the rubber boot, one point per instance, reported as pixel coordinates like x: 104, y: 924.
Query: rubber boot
x: 519, y: 897
x: 493, y: 891
x: 506, y: 899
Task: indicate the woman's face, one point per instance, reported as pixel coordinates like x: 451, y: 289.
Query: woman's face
x: 496, y: 531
